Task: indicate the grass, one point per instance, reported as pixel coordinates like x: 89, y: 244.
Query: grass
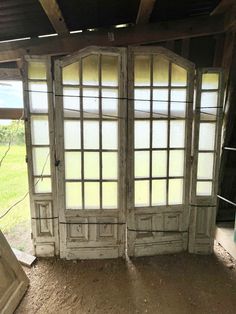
x: 13, y: 185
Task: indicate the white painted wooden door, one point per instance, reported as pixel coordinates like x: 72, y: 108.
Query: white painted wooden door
x: 91, y: 114
x: 159, y: 143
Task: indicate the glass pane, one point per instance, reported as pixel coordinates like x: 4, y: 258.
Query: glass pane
x: 176, y: 166
x: 205, y: 165
x: 71, y: 100
x: 109, y: 195
x: 90, y: 102
x: 210, y: 81
x: 178, y: 76
x: 110, y: 101
x: 141, y: 189
x: 41, y: 161
x: 73, y: 195
x: 90, y: 70
x: 204, y: 188
x: 209, y: 99
x: 109, y: 165
x: 11, y: 94
x: 158, y: 192
x: 109, y: 70
x: 160, y: 71
x: 142, y: 68
x: 178, y: 102
x: 42, y: 185
x: 38, y: 97
x: 91, y: 165
x: 159, y: 134
x: 142, y: 134
x: 109, y: 135
x: 70, y: 74
x: 72, y: 165
x: 141, y: 164
x: 175, y: 191
x: 160, y: 102
x: 91, y: 195
x: 177, y: 133
x: 159, y: 163
x: 142, y: 104
x: 37, y: 70
x: 39, y: 130
x: 91, y: 135
x: 207, y: 136
x: 72, y: 134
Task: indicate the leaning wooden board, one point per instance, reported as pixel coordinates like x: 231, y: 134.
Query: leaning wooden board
x: 13, y: 280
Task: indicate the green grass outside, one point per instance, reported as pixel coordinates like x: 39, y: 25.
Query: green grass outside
x: 13, y: 185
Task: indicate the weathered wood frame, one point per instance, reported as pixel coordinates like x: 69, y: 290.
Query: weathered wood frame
x: 91, y: 219
x: 159, y: 242
x: 203, y: 208
x: 45, y: 243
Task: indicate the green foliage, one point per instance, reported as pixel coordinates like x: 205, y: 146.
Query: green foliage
x: 13, y: 132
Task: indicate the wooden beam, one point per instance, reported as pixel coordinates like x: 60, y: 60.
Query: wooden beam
x: 222, y: 7
x: 55, y: 16
x: 10, y: 113
x: 134, y: 35
x: 10, y: 74
x: 145, y: 11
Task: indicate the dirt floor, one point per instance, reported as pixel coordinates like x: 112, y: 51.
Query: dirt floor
x: 167, y: 284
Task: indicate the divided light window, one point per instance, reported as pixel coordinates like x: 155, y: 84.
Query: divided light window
x: 160, y: 113
x: 90, y: 101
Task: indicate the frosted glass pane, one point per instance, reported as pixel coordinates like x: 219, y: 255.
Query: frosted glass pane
x: 41, y: 161
x: 141, y: 164
x: 142, y: 104
x: 210, y: 81
x: 207, y: 136
x: 176, y: 163
x: 204, y: 188
x: 109, y: 165
x: 158, y: 192
x: 70, y: 74
x: 141, y: 189
x: 109, y: 135
x: 71, y: 100
x: 142, y: 69
x: 42, y: 185
x: 209, y: 99
x: 72, y: 165
x: 72, y: 134
x: 178, y: 102
x: 110, y: 70
x: 91, y: 135
x: 159, y: 163
x: 175, y: 191
x: 177, y: 133
x: 73, y: 195
x: 37, y: 70
x: 90, y: 70
x: 109, y: 195
x: 91, y: 165
x: 91, y: 195
x: 39, y: 130
x: 141, y: 134
x: 178, y: 76
x: 205, y: 166
x: 160, y: 71
x: 159, y: 134
x: 110, y: 102
x: 90, y: 102
x: 38, y: 97
x: 160, y: 102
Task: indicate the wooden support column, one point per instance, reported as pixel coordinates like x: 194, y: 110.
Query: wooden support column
x: 145, y: 11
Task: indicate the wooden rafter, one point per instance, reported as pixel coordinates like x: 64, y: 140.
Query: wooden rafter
x: 145, y: 11
x: 55, y: 16
x: 136, y: 35
x: 222, y: 7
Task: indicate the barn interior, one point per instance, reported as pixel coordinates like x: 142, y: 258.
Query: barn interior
x: 128, y: 109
